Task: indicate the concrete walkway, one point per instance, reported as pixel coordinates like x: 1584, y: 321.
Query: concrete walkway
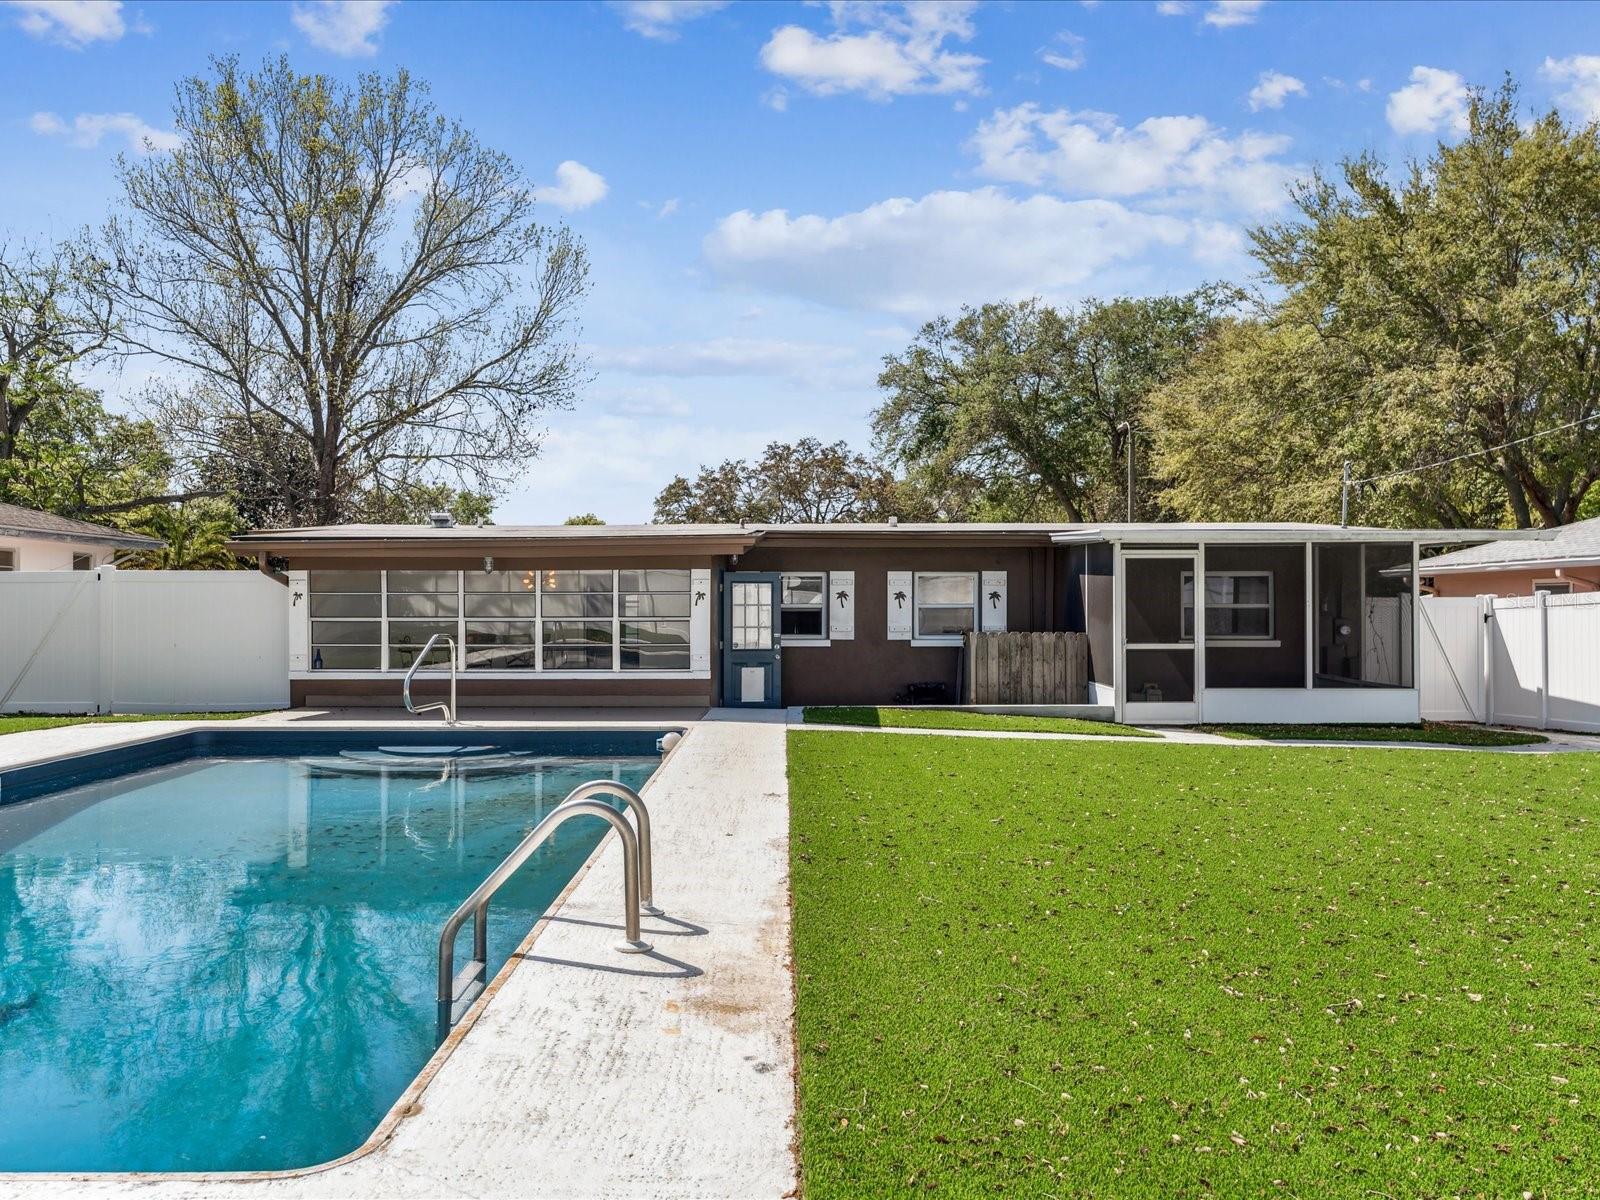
x: 588, y: 1073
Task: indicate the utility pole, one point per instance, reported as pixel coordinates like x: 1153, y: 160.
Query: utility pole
x: 1344, y: 495
x: 1127, y: 429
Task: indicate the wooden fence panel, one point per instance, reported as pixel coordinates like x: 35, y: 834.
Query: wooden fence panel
x: 1026, y: 668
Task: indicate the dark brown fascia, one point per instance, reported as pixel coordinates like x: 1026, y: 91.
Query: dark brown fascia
x: 502, y: 547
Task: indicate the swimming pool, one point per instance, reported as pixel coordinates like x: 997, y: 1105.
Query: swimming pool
x: 220, y: 948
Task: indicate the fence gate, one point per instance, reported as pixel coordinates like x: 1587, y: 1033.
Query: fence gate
x: 1450, y: 658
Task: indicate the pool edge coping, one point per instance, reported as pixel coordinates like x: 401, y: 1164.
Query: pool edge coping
x: 408, y: 1100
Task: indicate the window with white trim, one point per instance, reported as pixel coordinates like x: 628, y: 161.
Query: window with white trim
x: 1238, y: 605
x: 803, y: 608
x: 1552, y: 587
x: 945, y: 605
x: 8, y: 560
x: 346, y: 620
x: 578, y: 610
x: 83, y: 562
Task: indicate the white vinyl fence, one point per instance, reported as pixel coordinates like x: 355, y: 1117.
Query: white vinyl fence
x: 1523, y: 660
x: 142, y: 641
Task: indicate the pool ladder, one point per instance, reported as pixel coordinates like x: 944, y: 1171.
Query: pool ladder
x: 449, y: 709
x: 457, y: 992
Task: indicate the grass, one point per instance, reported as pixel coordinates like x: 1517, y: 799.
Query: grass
x: 24, y: 722
x: 936, y: 718
x: 1054, y: 969
x: 1433, y: 732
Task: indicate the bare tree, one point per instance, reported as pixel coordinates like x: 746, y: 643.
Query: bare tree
x: 340, y: 266
x: 52, y: 317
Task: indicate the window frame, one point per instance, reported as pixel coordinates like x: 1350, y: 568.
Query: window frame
x: 803, y: 639
x: 918, y: 638
x: 1552, y: 587
x: 87, y: 556
x: 1187, y: 613
x: 15, y: 553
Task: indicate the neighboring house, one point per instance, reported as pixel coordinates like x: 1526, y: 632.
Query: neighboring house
x: 1567, y: 561
x: 1300, y: 622
x: 39, y: 541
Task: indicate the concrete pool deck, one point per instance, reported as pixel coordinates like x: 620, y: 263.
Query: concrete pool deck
x: 587, y: 1073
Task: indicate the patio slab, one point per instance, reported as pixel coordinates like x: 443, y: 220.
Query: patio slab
x: 587, y: 1073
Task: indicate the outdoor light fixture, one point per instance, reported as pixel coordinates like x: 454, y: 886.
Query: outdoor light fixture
x: 488, y: 563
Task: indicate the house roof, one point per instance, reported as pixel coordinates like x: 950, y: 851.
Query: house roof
x: 1577, y: 544
x: 736, y: 539
x: 16, y: 521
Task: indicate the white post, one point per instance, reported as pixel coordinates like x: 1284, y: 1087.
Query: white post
x: 1541, y: 603
x: 1486, y: 652
x: 1199, y: 631
x: 1119, y: 648
x: 105, y: 586
x: 1311, y: 619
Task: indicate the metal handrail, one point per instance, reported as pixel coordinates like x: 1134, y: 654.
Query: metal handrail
x: 457, y: 994
x: 449, y: 710
x: 641, y: 814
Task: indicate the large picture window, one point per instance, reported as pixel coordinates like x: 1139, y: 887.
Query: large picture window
x: 502, y: 625
x: 1238, y: 605
x: 578, y: 611
x: 542, y: 619
x: 946, y: 604
x: 803, y: 608
x: 421, y: 604
x: 653, y: 620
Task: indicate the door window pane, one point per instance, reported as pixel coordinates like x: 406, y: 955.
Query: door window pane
x: 752, y: 616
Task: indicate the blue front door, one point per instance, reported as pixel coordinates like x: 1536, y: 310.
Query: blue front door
x: 751, y: 657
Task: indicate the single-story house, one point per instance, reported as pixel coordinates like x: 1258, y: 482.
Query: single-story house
x: 1566, y: 562
x: 31, y: 540
x: 1296, y: 622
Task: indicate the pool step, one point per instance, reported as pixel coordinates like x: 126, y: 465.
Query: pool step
x: 469, y: 984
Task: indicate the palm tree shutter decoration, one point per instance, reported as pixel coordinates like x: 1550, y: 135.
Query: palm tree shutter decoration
x: 992, y: 612
x: 700, y: 620
x: 842, y: 612
x: 901, y: 606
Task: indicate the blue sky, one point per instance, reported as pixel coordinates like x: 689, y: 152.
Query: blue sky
x: 776, y: 195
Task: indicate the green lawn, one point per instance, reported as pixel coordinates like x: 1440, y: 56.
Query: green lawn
x: 1098, y: 969
x: 1433, y: 732
x: 26, y: 721
x: 935, y: 718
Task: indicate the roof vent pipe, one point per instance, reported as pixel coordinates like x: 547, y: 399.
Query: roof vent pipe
x: 441, y: 520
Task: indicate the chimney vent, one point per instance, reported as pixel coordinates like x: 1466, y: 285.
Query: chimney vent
x: 441, y: 520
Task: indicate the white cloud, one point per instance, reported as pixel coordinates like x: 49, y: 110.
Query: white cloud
x: 879, y: 50
x: 1089, y: 153
x: 660, y: 19
x: 1273, y: 88
x: 1221, y: 14
x: 348, y: 28
x: 1225, y: 14
x: 87, y: 129
x: 1581, y: 75
x: 725, y: 356
x: 1434, y: 99
x: 667, y: 209
x: 576, y: 187
x: 1066, y: 52
x: 945, y: 249
x: 72, y: 23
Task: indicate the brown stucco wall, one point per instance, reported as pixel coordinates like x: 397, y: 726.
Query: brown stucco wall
x: 871, y: 669
x: 1510, y: 583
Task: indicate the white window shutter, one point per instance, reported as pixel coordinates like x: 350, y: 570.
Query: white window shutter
x: 900, y: 609
x: 700, y: 602
x: 842, y: 605
x: 299, y: 621
x: 992, y: 602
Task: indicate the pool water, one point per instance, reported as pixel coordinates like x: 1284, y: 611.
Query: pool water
x: 227, y: 963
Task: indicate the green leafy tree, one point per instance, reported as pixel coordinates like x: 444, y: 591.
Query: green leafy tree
x: 194, y: 536
x: 798, y: 482
x: 338, y: 266
x: 587, y: 518
x: 1452, y: 313
x: 1022, y: 410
